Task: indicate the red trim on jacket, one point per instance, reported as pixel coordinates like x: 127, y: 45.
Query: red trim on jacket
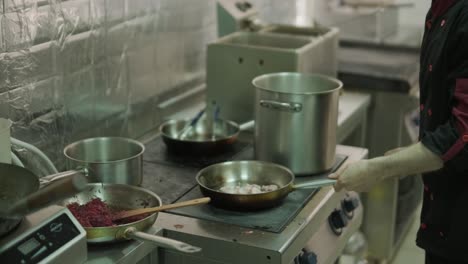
x: 460, y: 113
x: 460, y: 109
x: 439, y: 7
x: 454, y: 150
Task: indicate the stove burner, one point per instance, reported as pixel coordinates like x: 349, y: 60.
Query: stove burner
x: 271, y: 220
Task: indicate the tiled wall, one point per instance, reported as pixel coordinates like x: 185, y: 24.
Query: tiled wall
x: 81, y: 68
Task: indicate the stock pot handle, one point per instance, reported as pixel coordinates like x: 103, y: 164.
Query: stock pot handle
x: 165, y: 242
x: 288, y: 107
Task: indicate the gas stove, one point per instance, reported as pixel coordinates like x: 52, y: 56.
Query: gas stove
x: 50, y: 235
x: 314, y: 225
x: 315, y: 229
x: 310, y: 226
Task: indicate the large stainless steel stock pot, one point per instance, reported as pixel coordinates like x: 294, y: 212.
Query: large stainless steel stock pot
x: 296, y: 118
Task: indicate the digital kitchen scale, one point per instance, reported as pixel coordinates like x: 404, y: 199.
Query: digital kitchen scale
x: 50, y: 235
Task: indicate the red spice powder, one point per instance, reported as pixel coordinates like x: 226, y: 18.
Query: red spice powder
x: 97, y: 213
x: 94, y: 213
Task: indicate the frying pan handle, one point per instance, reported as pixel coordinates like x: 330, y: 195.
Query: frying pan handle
x: 247, y: 126
x: 315, y: 184
x: 161, y: 241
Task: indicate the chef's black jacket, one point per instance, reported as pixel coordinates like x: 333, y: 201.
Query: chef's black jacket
x: 444, y: 129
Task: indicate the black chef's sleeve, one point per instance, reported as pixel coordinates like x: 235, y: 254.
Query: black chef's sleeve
x: 449, y: 139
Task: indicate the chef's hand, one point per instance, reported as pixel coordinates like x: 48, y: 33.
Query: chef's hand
x: 363, y: 175
x: 359, y: 176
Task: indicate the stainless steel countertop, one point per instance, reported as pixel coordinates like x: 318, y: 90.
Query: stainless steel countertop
x: 379, y: 68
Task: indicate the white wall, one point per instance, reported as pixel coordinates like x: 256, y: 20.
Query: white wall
x: 415, y: 16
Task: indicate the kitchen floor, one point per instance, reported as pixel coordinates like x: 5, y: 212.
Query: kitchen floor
x: 409, y: 252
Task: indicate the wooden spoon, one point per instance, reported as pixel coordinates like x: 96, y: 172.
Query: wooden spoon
x: 140, y: 211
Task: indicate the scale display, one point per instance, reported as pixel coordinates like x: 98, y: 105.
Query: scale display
x: 42, y: 242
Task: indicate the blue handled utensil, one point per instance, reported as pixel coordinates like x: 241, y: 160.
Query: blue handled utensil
x: 183, y: 133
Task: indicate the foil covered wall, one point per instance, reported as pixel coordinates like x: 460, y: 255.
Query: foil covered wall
x: 82, y: 68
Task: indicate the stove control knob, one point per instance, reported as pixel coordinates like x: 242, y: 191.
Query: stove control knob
x: 350, y: 203
x: 338, y: 220
x: 243, y: 6
x: 308, y: 258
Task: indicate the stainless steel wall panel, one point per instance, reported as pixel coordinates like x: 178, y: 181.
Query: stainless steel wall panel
x: 75, y: 13
x: 31, y: 101
x: 75, y: 54
x: 12, y: 5
x: 2, y: 42
x: 97, y: 12
x: 98, y: 37
x: 83, y: 68
x: 4, y: 104
x: 115, y: 11
x: 140, y: 64
x: 25, y: 66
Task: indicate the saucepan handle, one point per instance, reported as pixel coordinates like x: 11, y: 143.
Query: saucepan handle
x: 287, y: 107
x: 315, y: 184
x: 51, y: 178
x: 161, y: 241
x: 54, y: 192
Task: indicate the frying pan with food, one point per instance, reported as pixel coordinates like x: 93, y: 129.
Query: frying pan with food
x: 237, y: 173
x: 126, y: 197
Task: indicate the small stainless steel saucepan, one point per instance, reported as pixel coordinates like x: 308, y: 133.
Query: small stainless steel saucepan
x: 126, y: 197
x: 212, y: 178
x: 105, y: 159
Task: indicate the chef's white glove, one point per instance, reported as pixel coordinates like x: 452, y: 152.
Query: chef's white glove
x: 393, y: 151
x: 361, y: 176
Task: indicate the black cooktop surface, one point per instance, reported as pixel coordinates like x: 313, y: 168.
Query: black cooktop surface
x: 271, y: 220
x: 172, y: 177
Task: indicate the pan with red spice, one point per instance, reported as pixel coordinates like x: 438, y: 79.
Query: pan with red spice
x: 96, y: 213
x: 95, y: 207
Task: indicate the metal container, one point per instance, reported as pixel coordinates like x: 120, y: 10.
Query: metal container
x: 296, y: 118
x: 234, y: 60
x: 108, y: 159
